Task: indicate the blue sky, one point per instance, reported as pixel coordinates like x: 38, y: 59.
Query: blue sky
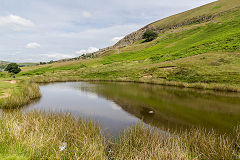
x: 44, y: 30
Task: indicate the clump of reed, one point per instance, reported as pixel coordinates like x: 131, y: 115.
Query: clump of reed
x: 144, y: 143
x: 38, y: 135
x: 23, y: 93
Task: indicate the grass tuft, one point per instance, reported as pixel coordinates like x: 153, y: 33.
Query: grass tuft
x: 38, y: 135
x: 23, y: 93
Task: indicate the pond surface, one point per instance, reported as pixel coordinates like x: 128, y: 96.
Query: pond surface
x: 117, y: 106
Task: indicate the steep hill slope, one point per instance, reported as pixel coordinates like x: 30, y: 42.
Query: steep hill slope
x: 198, y: 15
x: 200, y: 45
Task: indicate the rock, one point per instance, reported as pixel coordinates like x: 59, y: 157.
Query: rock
x: 151, y: 112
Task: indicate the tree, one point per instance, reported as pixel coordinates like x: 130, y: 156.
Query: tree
x: 13, y: 68
x: 149, y: 35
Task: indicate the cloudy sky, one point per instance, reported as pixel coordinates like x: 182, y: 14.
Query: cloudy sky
x: 44, y: 30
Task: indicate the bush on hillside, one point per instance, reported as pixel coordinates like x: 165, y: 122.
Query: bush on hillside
x: 149, y: 35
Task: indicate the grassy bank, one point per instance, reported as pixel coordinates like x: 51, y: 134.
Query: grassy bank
x: 39, y: 135
x: 18, y: 93
x: 197, y: 85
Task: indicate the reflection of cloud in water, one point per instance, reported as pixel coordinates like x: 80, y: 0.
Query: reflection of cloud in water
x: 91, y: 95
x: 115, y: 106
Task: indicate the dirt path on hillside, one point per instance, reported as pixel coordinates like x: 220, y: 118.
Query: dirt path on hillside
x: 12, y: 81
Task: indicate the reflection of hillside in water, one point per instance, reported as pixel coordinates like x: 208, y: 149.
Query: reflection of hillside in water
x: 173, y: 107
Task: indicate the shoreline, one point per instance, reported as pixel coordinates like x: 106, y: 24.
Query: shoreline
x: 200, y: 86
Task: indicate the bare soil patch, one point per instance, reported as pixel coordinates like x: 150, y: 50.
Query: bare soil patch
x: 12, y: 81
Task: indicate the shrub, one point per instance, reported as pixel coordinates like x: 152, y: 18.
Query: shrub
x: 13, y: 68
x: 149, y: 35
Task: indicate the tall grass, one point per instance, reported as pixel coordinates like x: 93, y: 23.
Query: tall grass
x: 22, y: 94
x: 37, y: 135
x: 144, y: 143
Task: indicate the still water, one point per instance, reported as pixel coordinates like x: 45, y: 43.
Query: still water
x: 117, y: 106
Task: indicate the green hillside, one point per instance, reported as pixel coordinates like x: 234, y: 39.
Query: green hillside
x: 198, y: 46
x: 210, y: 10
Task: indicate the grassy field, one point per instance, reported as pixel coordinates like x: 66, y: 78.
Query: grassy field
x: 37, y: 135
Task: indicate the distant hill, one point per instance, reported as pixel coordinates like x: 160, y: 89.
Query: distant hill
x: 27, y: 64
x: 4, y: 63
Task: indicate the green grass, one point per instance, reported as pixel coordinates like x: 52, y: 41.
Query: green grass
x: 6, y: 87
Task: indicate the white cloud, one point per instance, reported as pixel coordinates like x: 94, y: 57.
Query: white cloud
x: 116, y: 39
x: 33, y: 45
x: 15, y: 22
x: 89, y: 50
x: 86, y: 14
x: 92, y: 49
x: 56, y: 56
